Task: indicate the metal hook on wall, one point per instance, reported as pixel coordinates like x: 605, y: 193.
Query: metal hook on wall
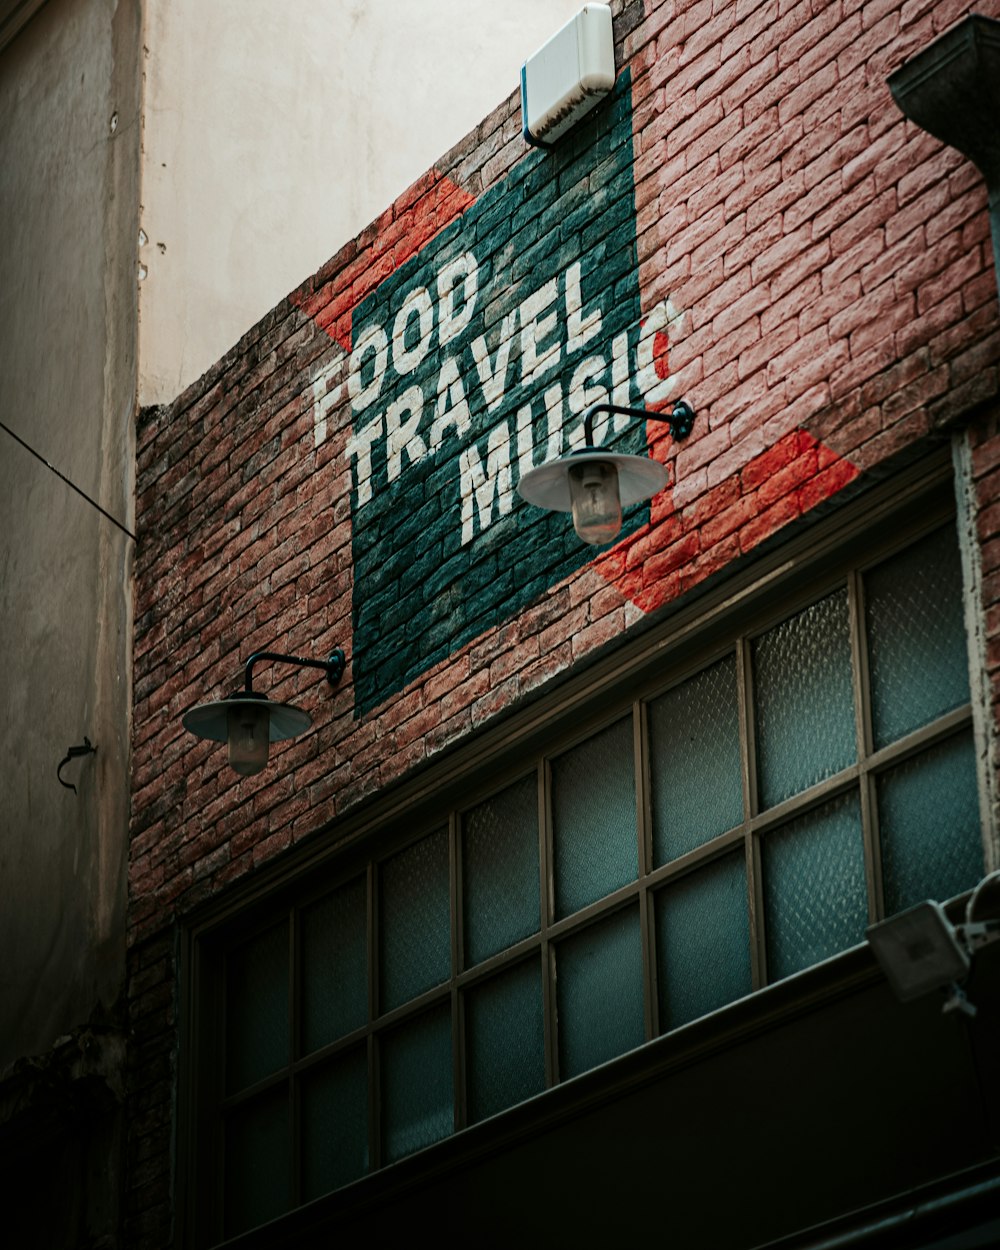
x: 72, y: 753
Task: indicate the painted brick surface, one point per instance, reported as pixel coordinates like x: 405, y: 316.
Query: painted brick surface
x: 470, y: 364
x: 748, y: 222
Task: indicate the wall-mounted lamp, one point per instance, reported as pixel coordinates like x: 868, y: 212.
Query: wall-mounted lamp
x: 249, y: 721
x: 920, y: 950
x: 595, y: 484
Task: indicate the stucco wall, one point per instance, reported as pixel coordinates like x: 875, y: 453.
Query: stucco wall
x: 271, y: 136
x: 68, y: 202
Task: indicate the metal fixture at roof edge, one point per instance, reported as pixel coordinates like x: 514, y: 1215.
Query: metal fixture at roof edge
x: 594, y: 484
x: 920, y: 950
x: 952, y: 89
x: 249, y: 721
x: 568, y: 75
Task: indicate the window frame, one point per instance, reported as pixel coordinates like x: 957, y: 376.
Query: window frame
x: 778, y: 582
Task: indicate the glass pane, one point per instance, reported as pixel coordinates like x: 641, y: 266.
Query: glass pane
x: 929, y: 825
x: 804, y: 702
x: 916, y: 636
x: 694, y: 755
x: 593, y: 803
x: 417, y: 1098
x: 334, y: 966
x: 599, y: 993
x: 814, y: 887
x: 703, y: 941
x: 505, y: 1040
x: 257, y: 1008
x: 416, y: 941
x: 258, y: 1162
x: 500, y: 871
x: 334, y: 1112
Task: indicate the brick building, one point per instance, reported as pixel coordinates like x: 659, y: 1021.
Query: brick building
x: 553, y: 923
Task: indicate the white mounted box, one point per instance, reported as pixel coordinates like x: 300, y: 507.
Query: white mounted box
x: 568, y: 75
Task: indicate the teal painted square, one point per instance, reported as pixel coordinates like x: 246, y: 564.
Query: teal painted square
x: 444, y: 549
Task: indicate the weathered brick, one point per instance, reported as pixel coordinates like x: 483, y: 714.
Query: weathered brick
x: 832, y: 267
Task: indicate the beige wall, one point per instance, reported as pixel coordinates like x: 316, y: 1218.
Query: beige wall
x: 68, y: 205
x: 274, y: 133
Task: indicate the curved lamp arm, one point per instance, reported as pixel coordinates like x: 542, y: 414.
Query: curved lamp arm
x: 333, y: 667
x: 593, y: 483
x: 249, y: 721
x: 680, y: 418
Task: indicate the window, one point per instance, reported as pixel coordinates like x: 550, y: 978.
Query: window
x: 728, y: 823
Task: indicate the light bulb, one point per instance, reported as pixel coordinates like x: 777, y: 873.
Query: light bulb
x: 249, y: 734
x: 593, y: 492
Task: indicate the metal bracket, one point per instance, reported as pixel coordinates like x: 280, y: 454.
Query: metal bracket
x: 680, y: 419
x: 333, y: 667
x: 72, y: 753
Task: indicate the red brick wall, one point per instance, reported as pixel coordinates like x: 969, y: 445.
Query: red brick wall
x: 832, y: 267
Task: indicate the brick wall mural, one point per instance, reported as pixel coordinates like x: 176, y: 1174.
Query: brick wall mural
x: 469, y: 351
x: 468, y: 365
x: 346, y: 475
x: 747, y: 222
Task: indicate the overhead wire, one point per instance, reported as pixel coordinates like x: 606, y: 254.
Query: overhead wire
x: 72, y: 485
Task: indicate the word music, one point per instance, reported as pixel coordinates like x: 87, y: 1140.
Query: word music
x: 428, y: 383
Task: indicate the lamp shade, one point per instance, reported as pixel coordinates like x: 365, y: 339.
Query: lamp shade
x: 594, y: 485
x: 248, y: 723
x: 548, y: 485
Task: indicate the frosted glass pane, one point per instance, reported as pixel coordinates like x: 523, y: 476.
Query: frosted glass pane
x: 916, y: 636
x: 593, y: 802
x: 258, y: 1162
x: 804, y: 701
x: 505, y: 1040
x: 500, y: 871
x: 694, y: 753
x: 929, y: 825
x: 257, y: 1008
x: 703, y: 941
x: 599, y: 993
x: 417, y: 1098
x: 334, y: 970
x: 815, y: 902
x: 334, y: 1111
x: 413, y: 921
